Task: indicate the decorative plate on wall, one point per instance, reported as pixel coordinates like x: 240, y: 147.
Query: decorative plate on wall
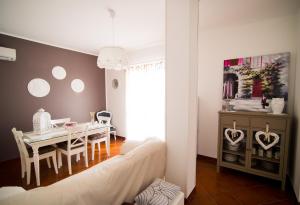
x: 59, y: 72
x: 115, y: 83
x: 38, y: 87
x: 77, y: 85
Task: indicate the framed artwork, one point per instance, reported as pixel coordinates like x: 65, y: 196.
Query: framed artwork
x: 250, y: 83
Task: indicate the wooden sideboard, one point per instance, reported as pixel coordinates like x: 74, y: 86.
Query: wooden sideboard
x: 248, y: 155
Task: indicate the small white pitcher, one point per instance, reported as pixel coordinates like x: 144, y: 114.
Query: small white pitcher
x: 277, y: 105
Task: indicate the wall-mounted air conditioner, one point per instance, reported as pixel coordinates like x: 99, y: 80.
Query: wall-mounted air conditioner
x: 7, y: 54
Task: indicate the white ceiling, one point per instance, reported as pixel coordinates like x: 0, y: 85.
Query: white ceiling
x: 85, y: 25
x: 219, y: 13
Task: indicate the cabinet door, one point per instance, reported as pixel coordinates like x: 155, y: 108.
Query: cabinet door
x: 233, y: 150
x: 266, y: 162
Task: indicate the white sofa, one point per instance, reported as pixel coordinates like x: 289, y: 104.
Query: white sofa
x: 111, y: 182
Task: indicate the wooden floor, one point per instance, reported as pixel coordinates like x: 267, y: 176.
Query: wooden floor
x: 233, y: 187
x: 10, y: 171
x: 227, y: 187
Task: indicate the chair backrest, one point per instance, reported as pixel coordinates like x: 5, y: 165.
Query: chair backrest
x: 57, y: 122
x: 104, y: 117
x: 20, y: 142
x: 77, y: 136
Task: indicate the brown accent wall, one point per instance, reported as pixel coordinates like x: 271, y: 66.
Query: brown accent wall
x: 35, y: 60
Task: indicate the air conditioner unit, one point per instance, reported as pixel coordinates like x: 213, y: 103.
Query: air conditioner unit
x: 7, y: 54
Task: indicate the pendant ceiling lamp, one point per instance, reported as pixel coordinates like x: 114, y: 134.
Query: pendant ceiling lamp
x: 112, y: 57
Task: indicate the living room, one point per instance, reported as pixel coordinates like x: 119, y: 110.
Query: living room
x: 216, y: 82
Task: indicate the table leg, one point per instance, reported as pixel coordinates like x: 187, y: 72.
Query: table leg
x: 36, y: 161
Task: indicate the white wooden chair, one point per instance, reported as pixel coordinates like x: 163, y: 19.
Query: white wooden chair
x: 76, y: 144
x: 96, y: 137
x: 26, y: 155
x: 23, y: 166
x: 104, y: 117
x: 60, y: 122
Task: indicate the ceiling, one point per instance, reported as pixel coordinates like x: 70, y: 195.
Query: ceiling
x: 220, y: 13
x: 85, y: 25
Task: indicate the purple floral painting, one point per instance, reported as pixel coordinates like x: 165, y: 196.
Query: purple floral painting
x: 250, y: 83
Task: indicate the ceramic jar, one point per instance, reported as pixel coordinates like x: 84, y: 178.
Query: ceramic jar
x: 269, y: 153
x: 277, y: 105
x: 260, y: 152
x: 41, y: 121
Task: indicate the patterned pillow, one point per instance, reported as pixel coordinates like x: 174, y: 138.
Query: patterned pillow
x: 158, y: 193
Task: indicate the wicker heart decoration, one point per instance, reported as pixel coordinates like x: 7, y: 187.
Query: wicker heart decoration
x: 267, y: 136
x: 234, y: 133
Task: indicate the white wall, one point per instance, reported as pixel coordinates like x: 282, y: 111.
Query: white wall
x: 147, y: 55
x: 216, y: 45
x: 181, y: 92
x: 295, y: 172
x: 116, y: 98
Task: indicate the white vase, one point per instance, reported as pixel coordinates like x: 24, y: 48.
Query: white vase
x: 41, y: 121
x: 277, y: 105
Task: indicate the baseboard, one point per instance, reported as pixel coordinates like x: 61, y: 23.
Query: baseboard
x: 118, y: 136
x: 206, y: 158
x: 121, y: 137
x: 186, y: 200
x: 10, y: 160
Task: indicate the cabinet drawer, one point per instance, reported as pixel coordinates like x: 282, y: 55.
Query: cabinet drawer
x: 275, y: 124
x: 240, y: 121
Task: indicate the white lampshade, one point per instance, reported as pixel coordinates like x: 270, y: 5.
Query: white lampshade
x: 112, y: 58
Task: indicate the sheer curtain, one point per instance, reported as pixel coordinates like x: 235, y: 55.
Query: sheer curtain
x: 145, y: 101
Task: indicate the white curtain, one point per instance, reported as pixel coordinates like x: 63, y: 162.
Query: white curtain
x: 145, y: 101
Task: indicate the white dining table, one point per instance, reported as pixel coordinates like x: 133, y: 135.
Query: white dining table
x: 56, y: 135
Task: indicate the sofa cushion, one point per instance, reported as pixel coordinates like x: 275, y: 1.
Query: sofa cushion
x: 159, y: 192
x: 42, y: 150
x: 96, y: 136
x: 64, y: 146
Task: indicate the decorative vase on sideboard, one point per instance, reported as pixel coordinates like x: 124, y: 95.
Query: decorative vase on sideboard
x: 277, y: 105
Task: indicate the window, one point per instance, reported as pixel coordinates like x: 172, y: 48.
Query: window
x: 145, y: 101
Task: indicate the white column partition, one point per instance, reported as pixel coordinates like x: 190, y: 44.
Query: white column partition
x: 295, y: 170
x: 181, y: 92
